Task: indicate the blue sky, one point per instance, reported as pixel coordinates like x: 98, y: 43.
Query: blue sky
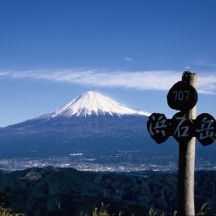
x: 131, y: 50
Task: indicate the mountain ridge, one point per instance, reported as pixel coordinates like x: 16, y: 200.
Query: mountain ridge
x: 94, y: 120
x: 93, y: 103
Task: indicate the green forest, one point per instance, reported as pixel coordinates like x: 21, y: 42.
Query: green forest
x: 66, y: 191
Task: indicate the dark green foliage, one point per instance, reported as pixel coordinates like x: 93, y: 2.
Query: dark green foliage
x: 55, y: 191
x: 6, y: 211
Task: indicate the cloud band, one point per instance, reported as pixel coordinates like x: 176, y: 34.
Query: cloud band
x: 141, y: 80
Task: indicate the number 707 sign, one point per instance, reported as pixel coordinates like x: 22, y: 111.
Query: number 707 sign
x: 182, y: 97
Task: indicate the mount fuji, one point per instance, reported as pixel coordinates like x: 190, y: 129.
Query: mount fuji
x: 93, y: 103
x: 92, y: 132
x: 90, y: 121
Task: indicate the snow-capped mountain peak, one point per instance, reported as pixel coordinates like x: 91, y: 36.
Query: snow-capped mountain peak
x: 93, y: 102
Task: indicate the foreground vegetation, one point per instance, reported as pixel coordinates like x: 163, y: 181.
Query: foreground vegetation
x: 6, y: 211
x: 54, y: 191
x: 103, y: 211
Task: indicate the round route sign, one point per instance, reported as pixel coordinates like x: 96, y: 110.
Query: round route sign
x: 182, y: 128
x: 158, y: 127
x: 182, y: 96
x: 205, y: 128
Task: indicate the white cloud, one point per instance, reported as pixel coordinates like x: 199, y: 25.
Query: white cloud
x: 128, y: 59
x: 140, y: 80
x: 205, y: 64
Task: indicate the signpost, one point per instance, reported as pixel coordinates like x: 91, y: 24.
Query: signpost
x: 182, y: 96
x: 205, y: 125
x: 158, y: 127
x: 184, y: 127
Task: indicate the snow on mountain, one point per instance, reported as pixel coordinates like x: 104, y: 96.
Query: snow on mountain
x: 92, y: 102
x: 76, y: 126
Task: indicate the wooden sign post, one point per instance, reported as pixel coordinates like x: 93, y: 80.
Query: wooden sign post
x: 184, y: 127
x: 187, y: 161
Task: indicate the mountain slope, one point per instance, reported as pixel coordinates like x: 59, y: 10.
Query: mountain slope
x: 54, y: 191
x: 90, y: 116
x: 93, y: 102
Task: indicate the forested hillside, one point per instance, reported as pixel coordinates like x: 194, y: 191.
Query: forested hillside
x: 56, y: 191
